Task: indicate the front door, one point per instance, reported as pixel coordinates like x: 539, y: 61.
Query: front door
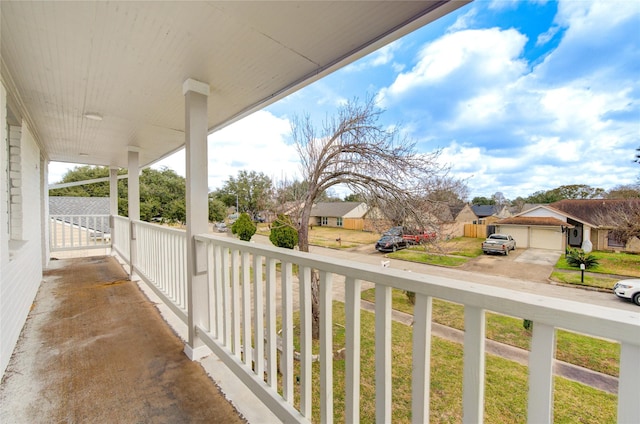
x: 575, y: 236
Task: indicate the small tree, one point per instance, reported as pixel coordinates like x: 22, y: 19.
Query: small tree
x: 283, y: 234
x: 244, y: 227
x: 577, y: 257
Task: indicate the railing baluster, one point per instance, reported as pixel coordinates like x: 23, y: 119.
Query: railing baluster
x: 629, y: 384
x: 258, y: 316
x: 352, y: 349
x: 246, y: 308
x: 383, y: 353
x: 305, y: 342
x: 272, y: 371
x: 63, y: 235
x: 421, y: 374
x: 287, y: 332
x: 326, y: 347
x: 217, y: 284
x: 235, y: 300
x: 226, y: 301
x: 474, y: 362
x: 543, y: 344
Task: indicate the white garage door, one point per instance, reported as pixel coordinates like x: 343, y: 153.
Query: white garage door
x: 518, y: 232
x: 546, y: 238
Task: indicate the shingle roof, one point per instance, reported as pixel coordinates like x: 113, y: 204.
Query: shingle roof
x: 533, y: 220
x: 595, y: 211
x: 62, y: 205
x: 333, y: 209
x: 484, y: 210
x: 73, y: 206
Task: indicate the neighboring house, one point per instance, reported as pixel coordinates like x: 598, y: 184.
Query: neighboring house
x: 569, y: 223
x: 488, y: 214
x: 452, y: 220
x: 604, y: 215
x: 63, y: 209
x: 348, y: 215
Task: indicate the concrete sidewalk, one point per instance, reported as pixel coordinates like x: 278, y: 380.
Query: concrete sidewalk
x: 94, y: 349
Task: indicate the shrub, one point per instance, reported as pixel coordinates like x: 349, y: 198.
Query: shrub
x: 283, y: 234
x: 577, y: 257
x: 244, y: 227
x: 527, y: 324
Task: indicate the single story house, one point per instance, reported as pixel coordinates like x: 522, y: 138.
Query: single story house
x: 488, y: 214
x: 571, y: 223
x: 348, y: 215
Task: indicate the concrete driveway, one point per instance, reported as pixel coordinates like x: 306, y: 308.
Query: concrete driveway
x: 539, y: 257
x: 527, y: 264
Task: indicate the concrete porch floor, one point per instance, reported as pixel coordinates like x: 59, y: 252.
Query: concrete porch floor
x: 95, y: 349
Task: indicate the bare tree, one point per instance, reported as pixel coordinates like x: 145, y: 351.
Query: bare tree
x: 622, y: 217
x: 354, y: 149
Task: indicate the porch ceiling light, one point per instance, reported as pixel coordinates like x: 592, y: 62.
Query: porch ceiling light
x: 93, y: 116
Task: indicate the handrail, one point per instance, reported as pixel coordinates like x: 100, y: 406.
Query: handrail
x: 228, y: 265
x: 74, y: 232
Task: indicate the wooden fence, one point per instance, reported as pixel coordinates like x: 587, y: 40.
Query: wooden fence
x: 475, y: 230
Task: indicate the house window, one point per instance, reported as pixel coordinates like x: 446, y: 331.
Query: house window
x: 324, y: 221
x: 613, y: 241
x: 339, y: 221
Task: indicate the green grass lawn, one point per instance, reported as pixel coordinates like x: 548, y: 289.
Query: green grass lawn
x: 505, y: 390
x: 588, y: 352
x: 610, y: 263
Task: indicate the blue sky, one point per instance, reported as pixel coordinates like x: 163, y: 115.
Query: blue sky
x: 520, y: 96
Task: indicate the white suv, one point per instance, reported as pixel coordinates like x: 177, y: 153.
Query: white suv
x: 628, y: 289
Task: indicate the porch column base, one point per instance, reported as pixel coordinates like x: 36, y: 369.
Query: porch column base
x: 195, y: 354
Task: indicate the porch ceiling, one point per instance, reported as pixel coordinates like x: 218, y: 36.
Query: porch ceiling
x: 126, y: 61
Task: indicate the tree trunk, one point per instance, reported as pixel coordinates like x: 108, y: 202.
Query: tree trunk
x: 303, y: 245
x: 315, y: 305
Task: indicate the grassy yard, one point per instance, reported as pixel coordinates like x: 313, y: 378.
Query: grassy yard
x: 451, y: 253
x: 336, y: 238
x: 588, y: 352
x: 610, y: 263
x: 505, y: 390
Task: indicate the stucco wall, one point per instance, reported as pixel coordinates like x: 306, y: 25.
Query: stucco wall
x: 21, y: 260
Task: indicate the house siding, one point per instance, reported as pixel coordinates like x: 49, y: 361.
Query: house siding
x: 21, y: 264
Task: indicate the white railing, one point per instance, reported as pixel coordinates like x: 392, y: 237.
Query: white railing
x: 161, y: 262
x: 121, y: 237
x: 71, y: 232
x: 243, y: 307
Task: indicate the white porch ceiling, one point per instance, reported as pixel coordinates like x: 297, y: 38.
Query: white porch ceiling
x: 126, y: 61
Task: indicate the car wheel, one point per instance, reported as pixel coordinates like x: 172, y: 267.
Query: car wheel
x: 636, y: 299
x: 506, y: 252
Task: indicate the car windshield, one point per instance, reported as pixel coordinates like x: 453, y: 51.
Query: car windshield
x: 498, y: 237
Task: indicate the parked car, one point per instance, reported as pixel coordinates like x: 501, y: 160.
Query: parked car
x: 499, y: 243
x: 390, y: 243
x: 221, y: 227
x: 411, y: 236
x: 628, y: 289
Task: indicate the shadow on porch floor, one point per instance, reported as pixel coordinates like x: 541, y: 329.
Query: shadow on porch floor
x: 94, y: 349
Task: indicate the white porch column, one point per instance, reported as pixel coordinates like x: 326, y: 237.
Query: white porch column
x: 133, y: 188
x: 113, y: 191
x: 113, y: 201
x: 44, y: 208
x: 196, y: 94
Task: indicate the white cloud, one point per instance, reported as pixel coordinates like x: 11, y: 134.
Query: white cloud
x: 380, y: 57
x: 463, y: 21
x: 488, y: 56
x: 255, y: 143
